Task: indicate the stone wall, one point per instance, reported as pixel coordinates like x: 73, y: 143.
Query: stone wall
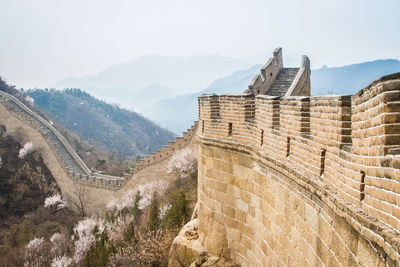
x: 167, y: 150
x: 302, y: 181
x: 269, y: 72
x: 98, y: 189
x: 302, y: 84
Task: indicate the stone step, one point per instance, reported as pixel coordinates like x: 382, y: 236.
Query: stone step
x: 283, y: 81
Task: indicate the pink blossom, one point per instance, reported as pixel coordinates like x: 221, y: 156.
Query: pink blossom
x: 118, y: 228
x: 146, y: 193
x: 28, y: 147
x: 35, y: 244
x: 58, y: 243
x: 63, y: 261
x: 84, y: 237
x: 55, y: 200
x: 34, y: 253
x: 164, y: 209
x: 183, y: 161
x: 29, y: 100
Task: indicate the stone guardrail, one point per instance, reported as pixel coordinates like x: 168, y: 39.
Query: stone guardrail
x: 263, y: 81
x: 301, y: 83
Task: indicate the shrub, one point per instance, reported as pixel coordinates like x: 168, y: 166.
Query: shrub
x: 28, y: 147
x: 179, y: 213
x: 29, y: 100
x: 183, y: 161
x: 145, y: 192
x: 62, y: 261
x: 85, y: 235
x: 154, y: 213
x: 35, y: 253
x: 56, y: 201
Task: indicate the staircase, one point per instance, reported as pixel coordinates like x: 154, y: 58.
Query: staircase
x: 66, y: 158
x: 283, y: 81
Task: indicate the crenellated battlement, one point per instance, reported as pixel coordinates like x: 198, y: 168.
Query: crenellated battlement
x: 167, y: 150
x: 365, y: 125
x: 341, y: 152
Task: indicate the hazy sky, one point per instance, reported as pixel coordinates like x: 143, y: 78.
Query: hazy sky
x: 45, y: 40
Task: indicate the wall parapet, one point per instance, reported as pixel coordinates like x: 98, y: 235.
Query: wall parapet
x: 301, y: 84
x: 167, y: 150
x: 345, y: 150
x: 261, y: 82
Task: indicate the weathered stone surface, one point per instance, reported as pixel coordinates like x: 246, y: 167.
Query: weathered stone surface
x: 187, y: 246
x: 307, y: 181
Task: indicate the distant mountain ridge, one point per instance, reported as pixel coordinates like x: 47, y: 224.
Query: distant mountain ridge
x: 181, y: 74
x: 347, y: 80
x: 178, y: 112
x: 147, y: 97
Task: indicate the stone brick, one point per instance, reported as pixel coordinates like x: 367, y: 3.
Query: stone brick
x: 285, y: 208
x: 240, y: 216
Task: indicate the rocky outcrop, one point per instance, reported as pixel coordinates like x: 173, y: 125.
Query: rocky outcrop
x: 188, y: 250
x: 24, y: 183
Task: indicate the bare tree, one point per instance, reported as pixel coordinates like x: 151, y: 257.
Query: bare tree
x: 78, y: 200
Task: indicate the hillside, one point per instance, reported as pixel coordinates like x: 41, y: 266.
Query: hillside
x: 101, y: 124
x: 25, y: 181
x: 176, y: 113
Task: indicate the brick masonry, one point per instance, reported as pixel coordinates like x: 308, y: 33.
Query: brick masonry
x: 302, y: 181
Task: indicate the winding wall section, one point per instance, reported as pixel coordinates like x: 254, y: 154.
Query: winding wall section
x: 70, y: 171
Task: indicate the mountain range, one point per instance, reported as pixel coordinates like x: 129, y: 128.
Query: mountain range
x: 118, y: 83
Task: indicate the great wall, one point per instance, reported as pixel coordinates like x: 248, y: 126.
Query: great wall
x: 285, y: 179
x: 70, y: 172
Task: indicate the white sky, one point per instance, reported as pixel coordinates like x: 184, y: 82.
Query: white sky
x: 45, y: 40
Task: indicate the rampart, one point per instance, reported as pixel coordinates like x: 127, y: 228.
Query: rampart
x: 70, y: 172
x: 167, y: 150
x: 302, y: 181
